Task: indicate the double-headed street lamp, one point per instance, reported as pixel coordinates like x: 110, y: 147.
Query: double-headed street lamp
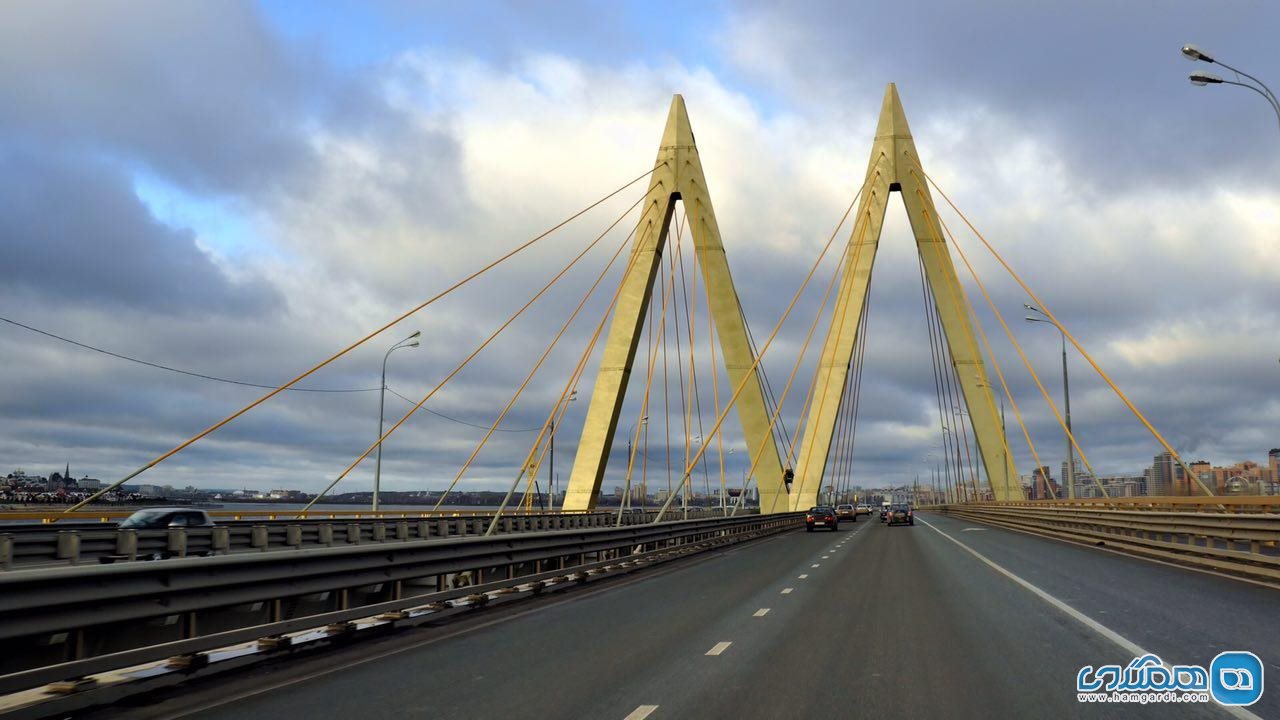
x: 551, y: 450
x: 1193, y: 53
x: 626, y: 501
x: 411, y: 341
x: 1066, y: 399
x: 693, y: 443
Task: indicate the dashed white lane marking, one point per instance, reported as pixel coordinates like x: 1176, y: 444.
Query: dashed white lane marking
x: 1125, y: 644
x: 641, y: 712
x: 804, y: 576
x: 719, y: 648
x: 826, y: 557
x: 787, y: 591
x: 815, y: 565
x: 761, y: 612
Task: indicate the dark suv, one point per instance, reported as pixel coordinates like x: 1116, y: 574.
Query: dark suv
x: 821, y: 516
x: 159, y: 518
x: 900, y: 514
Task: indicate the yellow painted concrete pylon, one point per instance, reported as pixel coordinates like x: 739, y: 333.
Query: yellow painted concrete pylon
x: 677, y: 177
x: 893, y: 160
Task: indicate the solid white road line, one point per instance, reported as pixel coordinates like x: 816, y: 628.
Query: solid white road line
x: 641, y: 712
x: 719, y: 648
x: 787, y: 591
x: 761, y: 612
x: 1125, y: 644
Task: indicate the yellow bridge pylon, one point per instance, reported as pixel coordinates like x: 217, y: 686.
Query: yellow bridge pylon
x: 678, y: 177
x: 895, y: 166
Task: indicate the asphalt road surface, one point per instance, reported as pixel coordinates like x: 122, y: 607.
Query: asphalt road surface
x: 869, y: 621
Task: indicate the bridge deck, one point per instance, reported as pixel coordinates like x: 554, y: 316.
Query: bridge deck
x: 895, y: 622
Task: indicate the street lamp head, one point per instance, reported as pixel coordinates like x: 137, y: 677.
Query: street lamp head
x: 1031, y: 307
x: 415, y: 343
x: 416, y: 334
x: 1193, y: 53
x: 1032, y: 319
x: 1204, y: 78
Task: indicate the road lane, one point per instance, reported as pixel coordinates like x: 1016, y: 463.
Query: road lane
x: 1182, y: 615
x: 598, y: 656
x: 898, y: 622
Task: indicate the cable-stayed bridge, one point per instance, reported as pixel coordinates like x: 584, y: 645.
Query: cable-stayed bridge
x: 991, y: 605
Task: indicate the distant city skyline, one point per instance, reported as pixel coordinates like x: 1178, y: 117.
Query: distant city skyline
x: 1163, y: 477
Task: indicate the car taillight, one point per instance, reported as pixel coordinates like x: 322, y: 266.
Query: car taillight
x: 808, y: 517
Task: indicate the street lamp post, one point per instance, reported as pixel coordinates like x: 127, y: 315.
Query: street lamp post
x: 696, y: 442
x: 723, y: 509
x: 947, y: 466
x: 1004, y: 434
x: 411, y: 341
x: 1193, y: 53
x: 551, y: 460
x: 1066, y: 401
x: 630, y: 463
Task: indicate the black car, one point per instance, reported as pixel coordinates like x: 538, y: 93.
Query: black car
x: 821, y: 516
x: 900, y: 514
x: 160, y: 518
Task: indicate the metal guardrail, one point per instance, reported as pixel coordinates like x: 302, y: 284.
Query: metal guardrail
x: 67, y: 623
x: 1241, y: 544
x: 271, y: 512
x: 30, y: 545
x: 1168, y: 503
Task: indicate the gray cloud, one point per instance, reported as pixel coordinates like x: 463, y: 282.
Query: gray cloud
x: 73, y: 232
x: 376, y: 186
x: 203, y: 94
x: 1103, y: 82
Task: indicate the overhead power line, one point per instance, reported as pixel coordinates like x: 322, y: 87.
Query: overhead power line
x: 180, y: 371
x: 230, y: 381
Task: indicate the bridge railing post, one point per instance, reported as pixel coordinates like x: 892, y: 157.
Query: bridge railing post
x: 177, y: 541
x: 69, y: 546
x: 258, y: 537
x: 127, y: 543
x: 220, y: 539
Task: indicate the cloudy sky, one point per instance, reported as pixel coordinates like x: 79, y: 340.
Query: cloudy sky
x: 241, y: 190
